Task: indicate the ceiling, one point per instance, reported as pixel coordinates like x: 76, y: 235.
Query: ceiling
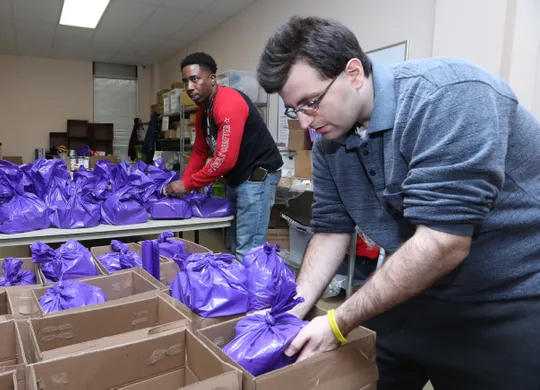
x: 130, y: 31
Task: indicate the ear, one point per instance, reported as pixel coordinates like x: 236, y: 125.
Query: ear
x: 355, y: 73
x: 213, y: 78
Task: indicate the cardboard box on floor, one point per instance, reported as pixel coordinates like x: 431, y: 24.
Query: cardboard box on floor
x: 121, y: 284
x: 351, y: 366
x: 8, y: 381
x: 298, y: 137
x: 68, y: 333
x: 303, y: 166
x: 11, y: 347
x: 26, y: 265
x: 279, y: 236
x: 168, y: 360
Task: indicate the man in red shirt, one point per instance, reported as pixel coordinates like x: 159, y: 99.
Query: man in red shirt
x: 230, y: 130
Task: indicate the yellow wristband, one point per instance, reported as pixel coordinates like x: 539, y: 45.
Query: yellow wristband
x: 334, y: 326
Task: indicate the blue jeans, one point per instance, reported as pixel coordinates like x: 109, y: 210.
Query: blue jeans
x: 251, y: 203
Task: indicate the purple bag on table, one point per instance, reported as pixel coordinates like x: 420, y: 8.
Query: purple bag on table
x: 124, y: 207
x: 170, y: 208
x: 20, y: 211
x: 211, y: 285
x: 121, y: 258
x: 14, y: 275
x: 83, y: 151
x: 169, y: 248
x: 208, y: 206
x: 261, y: 339
x: 71, y: 294
x: 72, y: 206
x: 94, y: 184
x: 47, y: 173
x: 75, y: 260
x: 267, y: 276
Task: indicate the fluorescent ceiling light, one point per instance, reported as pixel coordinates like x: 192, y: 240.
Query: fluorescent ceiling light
x: 83, y: 13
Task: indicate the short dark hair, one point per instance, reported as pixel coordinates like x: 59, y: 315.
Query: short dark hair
x: 325, y: 44
x: 204, y: 60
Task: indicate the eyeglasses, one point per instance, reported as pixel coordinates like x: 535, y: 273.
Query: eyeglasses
x: 311, y: 107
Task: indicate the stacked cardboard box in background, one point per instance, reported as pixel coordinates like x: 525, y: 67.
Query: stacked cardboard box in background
x: 159, y: 101
x: 300, y: 142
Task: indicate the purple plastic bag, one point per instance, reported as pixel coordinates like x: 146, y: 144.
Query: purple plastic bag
x: 267, y: 276
x: 47, y: 173
x: 170, y: 208
x: 121, y: 258
x: 70, y: 261
x: 72, y: 206
x: 124, y: 207
x: 211, y: 285
x: 14, y: 275
x: 169, y: 248
x: 71, y: 294
x: 19, y: 211
x: 93, y: 184
x: 150, y: 258
x: 83, y: 151
x: 261, y: 339
x: 208, y: 206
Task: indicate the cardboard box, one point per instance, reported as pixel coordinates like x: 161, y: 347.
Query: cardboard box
x: 298, y: 137
x: 22, y: 303
x: 26, y: 265
x: 169, y: 134
x: 5, y: 313
x: 69, y: 333
x: 121, y: 284
x: 275, y: 218
x: 302, y: 167
x: 167, y: 360
x: 11, y: 351
x: 186, y: 101
x: 98, y: 251
x: 95, y: 159
x: 351, y: 366
x: 279, y: 236
x: 8, y: 381
x: 177, y: 84
x: 49, y: 283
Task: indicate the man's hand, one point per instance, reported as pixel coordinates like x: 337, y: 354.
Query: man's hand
x: 176, y: 188
x: 316, y: 337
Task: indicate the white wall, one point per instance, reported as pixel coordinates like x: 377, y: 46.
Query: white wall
x: 468, y: 29
x: 238, y: 43
x: 525, y: 52
x: 38, y: 96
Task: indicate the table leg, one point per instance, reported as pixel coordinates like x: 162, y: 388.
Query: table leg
x: 352, y: 261
x: 196, y: 237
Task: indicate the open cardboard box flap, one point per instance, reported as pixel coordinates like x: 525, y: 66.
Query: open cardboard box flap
x: 70, y: 332
x: 8, y: 381
x: 121, y: 284
x: 11, y: 348
x: 135, y: 363
x: 351, y: 366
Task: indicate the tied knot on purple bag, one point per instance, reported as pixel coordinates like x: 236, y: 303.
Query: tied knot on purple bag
x: 260, y: 340
x: 164, y: 236
x: 14, y: 275
x: 70, y: 294
x: 119, y: 246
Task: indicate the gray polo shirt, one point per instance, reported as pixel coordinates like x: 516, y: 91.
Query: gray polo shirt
x: 448, y: 146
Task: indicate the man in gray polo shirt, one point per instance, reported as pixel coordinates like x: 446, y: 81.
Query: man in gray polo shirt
x: 439, y: 164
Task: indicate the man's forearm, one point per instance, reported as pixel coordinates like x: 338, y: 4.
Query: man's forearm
x: 324, y: 255
x: 420, y: 262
